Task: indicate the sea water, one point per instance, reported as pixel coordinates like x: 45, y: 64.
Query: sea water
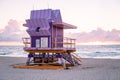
x: 12, y: 51
x: 84, y: 51
x: 98, y: 51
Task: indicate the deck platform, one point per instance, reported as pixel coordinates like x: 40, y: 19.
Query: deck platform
x: 49, y: 50
x: 50, y: 66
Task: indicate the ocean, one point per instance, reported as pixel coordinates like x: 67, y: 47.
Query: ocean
x: 84, y: 51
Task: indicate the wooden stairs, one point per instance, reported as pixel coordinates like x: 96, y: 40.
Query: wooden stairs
x: 73, y: 58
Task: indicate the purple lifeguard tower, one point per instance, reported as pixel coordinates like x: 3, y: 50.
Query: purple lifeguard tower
x: 47, y: 43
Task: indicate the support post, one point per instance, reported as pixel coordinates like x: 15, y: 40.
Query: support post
x: 71, y: 58
x: 63, y: 63
x: 28, y: 61
x: 29, y: 57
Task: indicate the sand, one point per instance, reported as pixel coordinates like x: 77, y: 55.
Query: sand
x: 91, y: 69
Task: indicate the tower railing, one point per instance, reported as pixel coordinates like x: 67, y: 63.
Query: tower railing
x: 57, y: 42
x: 26, y: 41
x: 68, y: 43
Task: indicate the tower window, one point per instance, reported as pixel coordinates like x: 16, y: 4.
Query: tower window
x: 37, y: 29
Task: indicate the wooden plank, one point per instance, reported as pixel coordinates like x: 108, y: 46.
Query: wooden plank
x: 41, y: 66
x: 46, y: 51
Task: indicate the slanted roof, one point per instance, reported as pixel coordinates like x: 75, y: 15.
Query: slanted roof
x: 34, y: 23
x: 39, y: 33
x: 38, y: 14
x: 56, y: 16
x: 42, y: 18
x: 64, y: 25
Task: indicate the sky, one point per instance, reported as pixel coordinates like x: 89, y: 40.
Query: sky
x: 97, y: 21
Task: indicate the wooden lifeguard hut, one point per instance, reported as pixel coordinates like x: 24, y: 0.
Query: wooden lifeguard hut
x: 47, y: 43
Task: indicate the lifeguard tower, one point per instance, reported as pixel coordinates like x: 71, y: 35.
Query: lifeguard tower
x: 47, y: 43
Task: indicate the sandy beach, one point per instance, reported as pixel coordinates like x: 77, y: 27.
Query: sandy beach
x: 91, y: 69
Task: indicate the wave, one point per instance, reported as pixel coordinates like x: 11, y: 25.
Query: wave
x: 14, y: 55
x: 82, y: 51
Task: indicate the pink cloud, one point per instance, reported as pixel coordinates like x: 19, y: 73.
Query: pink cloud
x: 1, y: 30
x: 12, y: 32
x: 98, y: 35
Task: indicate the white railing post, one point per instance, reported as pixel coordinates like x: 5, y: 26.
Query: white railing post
x: 55, y: 42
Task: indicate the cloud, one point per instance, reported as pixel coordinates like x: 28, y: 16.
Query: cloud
x: 97, y: 35
x: 12, y: 32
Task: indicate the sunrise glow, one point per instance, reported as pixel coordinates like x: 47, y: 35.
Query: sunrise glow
x: 11, y: 43
x: 97, y: 21
x: 98, y: 43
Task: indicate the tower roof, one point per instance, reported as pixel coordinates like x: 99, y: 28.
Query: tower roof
x: 41, y: 18
x: 64, y: 25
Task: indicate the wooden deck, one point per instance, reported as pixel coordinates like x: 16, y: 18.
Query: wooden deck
x: 49, y: 50
x: 42, y: 66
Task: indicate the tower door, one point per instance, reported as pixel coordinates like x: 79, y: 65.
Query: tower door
x: 44, y: 42
x: 37, y: 43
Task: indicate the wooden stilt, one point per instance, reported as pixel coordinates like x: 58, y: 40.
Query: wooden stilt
x: 43, y: 57
x: 63, y: 63
x: 28, y: 61
x: 71, y: 58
